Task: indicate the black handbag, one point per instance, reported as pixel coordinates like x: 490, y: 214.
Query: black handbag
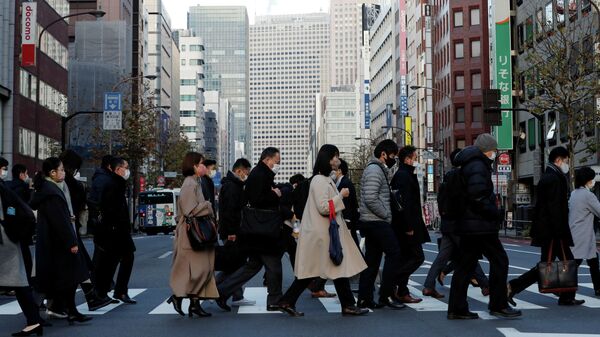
x: 557, y: 276
x: 264, y: 223
x: 335, y: 244
x: 201, y: 232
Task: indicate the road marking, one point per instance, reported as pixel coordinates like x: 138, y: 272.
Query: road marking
x: 428, y: 303
x: 258, y: 294
x: 511, y: 332
x: 166, y: 254
x: 167, y: 309
x: 590, y: 302
x: 475, y: 293
x: 332, y: 304
x: 485, y: 315
x: 10, y: 308
x: 522, y: 251
x: 83, y: 308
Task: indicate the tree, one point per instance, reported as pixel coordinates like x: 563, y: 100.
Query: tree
x: 561, y: 78
x: 360, y: 159
x: 175, y: 147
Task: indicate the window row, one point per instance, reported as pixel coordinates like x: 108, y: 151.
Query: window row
x: 47, y: 145
x: 54, y: 49
x: 474, y: 17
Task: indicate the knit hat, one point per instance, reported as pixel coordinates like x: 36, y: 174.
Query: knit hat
x: 486, y: 142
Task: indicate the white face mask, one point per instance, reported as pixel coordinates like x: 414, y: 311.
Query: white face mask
x: 493, y: 156
x: 275, y: 168
x: 127, y: 174
x: 212, y: 174
x: 4, y: 174
x: 77, y: 175
x: 591, y: 185
x: 564, y: 167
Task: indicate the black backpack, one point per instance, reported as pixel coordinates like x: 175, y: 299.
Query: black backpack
x: 300, y: 196
x: 451, y: 196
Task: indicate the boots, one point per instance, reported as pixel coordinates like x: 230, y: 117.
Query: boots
x: 93, y: 301
x: 196, y: 309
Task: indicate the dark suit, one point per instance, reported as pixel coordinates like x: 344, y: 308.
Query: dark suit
x: 350, y: 212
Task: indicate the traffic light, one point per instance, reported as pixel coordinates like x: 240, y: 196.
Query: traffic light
x: 492, y: 115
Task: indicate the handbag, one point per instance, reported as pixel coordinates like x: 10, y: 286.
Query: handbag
x: 557, y: 276
x: 335, y: 245
x: 201, y: 232
x: 261, y: 222
x: 395, y: 197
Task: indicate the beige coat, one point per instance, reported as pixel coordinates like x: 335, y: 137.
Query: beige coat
x: 312, y: 255
x: 193, y: 272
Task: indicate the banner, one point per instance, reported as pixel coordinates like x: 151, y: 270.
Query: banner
x: 28, y: 33
x: 504, y: 133
x: 408, y: 128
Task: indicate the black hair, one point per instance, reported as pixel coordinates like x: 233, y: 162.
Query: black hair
x: 583, y: 175
x: 116, y: 162
x: 17, y: 170
x: 3, y: 162
x: 241, y: 163
x: 344, y: 167
x: 388, y: 146
x: 71, y: 161
x: 297, y: 179
x: 454, y: 154
x: 406, y: 152
x: 558, y: 152
x: 209, y: 162
x: 190, y: 160
x: 49, y: 165
x: 322, y: 164
x: 269, y: 152
x: 106, y: 161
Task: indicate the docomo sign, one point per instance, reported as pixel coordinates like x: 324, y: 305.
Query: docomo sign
x: 504, y: 159
x: 28, y: 33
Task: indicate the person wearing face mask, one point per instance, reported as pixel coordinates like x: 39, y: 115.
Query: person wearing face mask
x: 3, y: 170
x: 376, y: 228
x: 478, y: 231
x: 350, y: 212
x: 408, y: 224
x: 112, y: 239
x: 20, y: 183
x: 207, y: 183
x: 60, y: 265
x: 550, y: 225
x: 583, y: 206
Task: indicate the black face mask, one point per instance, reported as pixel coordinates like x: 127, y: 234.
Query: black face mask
x: 390, y: 162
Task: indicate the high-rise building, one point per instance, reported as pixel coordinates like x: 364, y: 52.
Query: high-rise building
x: 289, y: 56
x: 224, y: 30
x: 338, y: 122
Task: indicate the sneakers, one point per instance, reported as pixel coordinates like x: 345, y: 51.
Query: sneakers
x: 242, y: 302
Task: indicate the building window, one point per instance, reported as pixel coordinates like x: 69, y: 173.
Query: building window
x: 47, y: 146
x: 459, y: 50
x: 459, y: 82
x: 477, y: 111
x: 458, y: 18
x: 475, y: 48
x: 531, y: 139
x: 188, y: 82
x: 196, y: 62
x: 182, y: 62
x: 475, y: 20
x: 460, y: 115
x: 549, y: 16
x: 182, y: 47
x: 28, y: 85
x: 560, y: 11
x: 461, y: 143
x: 476, y: 81
x: 26, y: 142
x: 188, y: 98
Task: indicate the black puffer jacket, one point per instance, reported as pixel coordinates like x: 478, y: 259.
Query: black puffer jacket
x: 482, y: 215
x: 231, y: 202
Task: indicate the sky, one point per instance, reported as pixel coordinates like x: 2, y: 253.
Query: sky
x: 178, y: 8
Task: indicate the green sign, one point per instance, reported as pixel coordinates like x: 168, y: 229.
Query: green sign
x: 503, y: 133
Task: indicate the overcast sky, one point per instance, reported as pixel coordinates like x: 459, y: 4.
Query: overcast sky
x: 178, y: 8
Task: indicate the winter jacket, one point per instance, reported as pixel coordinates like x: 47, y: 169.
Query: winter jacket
x: 375, y: 193
x: 114, y: 230
x: 411, y: 218
x: 350, y: 212
x: 231, y: 202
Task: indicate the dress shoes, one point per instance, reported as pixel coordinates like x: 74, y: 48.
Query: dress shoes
x: 464, y: 315
x: 287, y: 309
x: 369, y: 304
x: 79, y: 318
x: 222, y: 303
x: 432, y: 293
x: 509, y: 295
x: 390, y: 303
x: 572, y: 302
x: 38, y: 330
x: 507, y: 312
x: 354, y: 311
x: 408, y: 299
x: 322, y: 294
x: 98, y: 303
x: 125, y: 299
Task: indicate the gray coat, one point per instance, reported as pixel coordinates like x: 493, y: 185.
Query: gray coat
x: 12, y: 265
x: 583, y: 205
x: 375, y: 193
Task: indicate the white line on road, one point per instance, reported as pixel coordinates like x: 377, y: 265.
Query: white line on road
x: 590, y: 302
x: 83, y: 308
x: 167, y: 309
x: 511, y: 332
x: 166, y: 254
x: 258, y: 294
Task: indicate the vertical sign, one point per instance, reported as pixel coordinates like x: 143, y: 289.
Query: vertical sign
x: 504, y: 133
x: 408, y: 128
x: 403, y: 103
x: 367, y: 105
x: 28, y: 33
x: 113, y: 116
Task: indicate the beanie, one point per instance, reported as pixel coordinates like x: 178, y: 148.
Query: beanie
x: 486, y: 142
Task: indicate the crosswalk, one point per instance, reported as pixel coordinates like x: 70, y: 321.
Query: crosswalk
x: 329, y: 305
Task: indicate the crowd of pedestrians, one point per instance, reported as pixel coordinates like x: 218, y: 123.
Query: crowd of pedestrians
x: 319, y: 221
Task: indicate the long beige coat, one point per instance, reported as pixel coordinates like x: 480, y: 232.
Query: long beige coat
x: 312, y: 255
x: 193, y: 272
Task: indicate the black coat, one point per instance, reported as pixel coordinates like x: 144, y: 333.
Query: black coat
x: 208, y: 190
x: 21, y: 188
x: 481, y: 215
x: 411, y: 218
x: 231, y: 202
x: 551, y: 217
x: 350, y: 212
x: 56, y: 267
x: 100, y: 180
x: 114, y: 231
x: 19, y: 219
x: 286, y: 202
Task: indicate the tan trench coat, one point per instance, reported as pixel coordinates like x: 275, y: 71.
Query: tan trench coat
x: 193, y: 272
x: 312, y: 255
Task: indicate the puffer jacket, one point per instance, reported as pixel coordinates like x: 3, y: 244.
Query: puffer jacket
x: 375, y: 193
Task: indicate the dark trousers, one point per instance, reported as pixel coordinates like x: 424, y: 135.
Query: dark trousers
x: 238, y: 294
x: 412, y: 257
x: 273, y: 276
x: 379, y: 239
x: 64, y: 300
x: 532, y: 276
x: 448, y: 250
x: 290, y: 245
x: 28, y: 260
x: 105, y: 266
x: 28, y: 304
x: 471, y: 247
x: 594, y: 270
x: 342, y: 287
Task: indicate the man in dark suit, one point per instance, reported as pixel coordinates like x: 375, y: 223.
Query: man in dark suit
x: 550, y: 228
x: 20, y: 183
x: 351, y: 214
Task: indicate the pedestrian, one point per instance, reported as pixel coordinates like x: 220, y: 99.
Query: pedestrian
x: 376, y: 228
x: 312, y: 256
x: 3, y: 170
x: 193, y: 272
x: 100, y: 180
x: 113, y: 242
x: 20, y: 183
x: 260, y: 193
x: 208, y: 185
x: 351, y: 214
x: 583, y: 206
x: 60, y: 266
x: 478, y: 230
x: 449, y: 242
x: 550, y: 228
x: 286, y: 205
x: 230, y: 216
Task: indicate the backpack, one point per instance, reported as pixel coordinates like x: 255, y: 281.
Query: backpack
x: 451, y: 196
x: 300, y: 196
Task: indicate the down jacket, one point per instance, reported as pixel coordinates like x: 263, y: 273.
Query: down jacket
x: 375, y: 193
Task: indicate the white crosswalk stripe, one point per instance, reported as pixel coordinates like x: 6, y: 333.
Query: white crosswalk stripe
x: 590, y: 302
x: 258, y: 294
x: 83, y: 308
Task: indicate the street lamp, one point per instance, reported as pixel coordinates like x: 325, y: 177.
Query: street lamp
x: 97, y: 15
x: 410, y: 135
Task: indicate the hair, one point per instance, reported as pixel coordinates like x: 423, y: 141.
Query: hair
x: 297, y: 179
x: 344, y: 167
x: 388, y: 146
x: 241, y: 163
x: 116, y: 162
x: 71, y: 160
x: 406, y: 152
x: 583, y: 175
x: 190, y: 160
x: 269, y: 152
x: 558, y: 152
x: 17, y: 170
x: 210, y: 162
x: 322, y: 164
x: 3, y: 162
x: 49, y: 165
x: 106, y: 161
x: 454, y: 154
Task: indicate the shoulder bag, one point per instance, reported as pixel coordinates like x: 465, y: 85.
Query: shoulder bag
x: 201, y: 232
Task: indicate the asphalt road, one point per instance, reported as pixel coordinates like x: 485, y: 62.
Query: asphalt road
x: 153, y: 317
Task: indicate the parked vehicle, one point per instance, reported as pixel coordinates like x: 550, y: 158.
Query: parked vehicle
x: 157, y: 211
